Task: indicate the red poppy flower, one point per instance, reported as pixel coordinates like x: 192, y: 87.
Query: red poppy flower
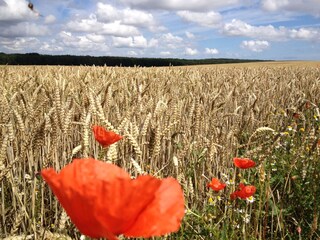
x: 104, y: 137
x: 243, y: 163
x: 102, y: 200
x: 308, y: 105
x: 243, y: 192
x: 296, y: 115
x: 216, y: 185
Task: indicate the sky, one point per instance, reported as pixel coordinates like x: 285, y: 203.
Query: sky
x: 191, y: 29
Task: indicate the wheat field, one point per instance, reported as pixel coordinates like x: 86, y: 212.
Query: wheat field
x: 185, y: 122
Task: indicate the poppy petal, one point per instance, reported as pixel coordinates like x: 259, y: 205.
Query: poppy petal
x: 244, y: 192
x: 121, y: 202
x: 104, y: 137
x: 103, y: 201
x: 164, y: 213
x: 243, y: 163
x: 216, y: 185
x: 77, y: 188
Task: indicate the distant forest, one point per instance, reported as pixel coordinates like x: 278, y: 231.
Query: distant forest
x: 71, y: 60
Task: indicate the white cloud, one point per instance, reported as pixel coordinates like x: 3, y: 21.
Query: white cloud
x: 191, y: 52
x: 92, y: 25
x: 165, y: 53
x: 269, y: 32
x: 15, y: 11
x: 130, y: 42
x: 273, y: 5
x: 51, y: 47
x: 132, y: 53
x: 298, y: 6
x: 255, y: 46
x: 189, y: 35
x: 117, y: 29
x: 208, y: 19
x: 28, y: 44
x: 85, y: 25
x: 82, y: 43
x: 305, y: 34
x: 50, y: 19
x: 122, y: 42
x: 127, y: 16
x: 24, y: 29
x: 170, y: 38
x: 240, y: 28
x: 153, y: 42
x: 170, y: 41
x: 191, y: 5
x: 107, y: 13
x: 211, y: 51
x: 96, y: 38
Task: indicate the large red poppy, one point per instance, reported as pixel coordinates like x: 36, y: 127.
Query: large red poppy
x: 216, y: 185
x: 104, y: 137
x: 244, y: 192
x: 102, y: 200
x: 243, y: 163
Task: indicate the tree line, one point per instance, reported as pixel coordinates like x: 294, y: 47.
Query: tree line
x: 72, y: 60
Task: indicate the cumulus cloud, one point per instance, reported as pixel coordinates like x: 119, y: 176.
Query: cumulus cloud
x: 211, y: 51
x: 118, y: 29
x: 165, y: 53
x: 170, y: 38
x: 133, y: 42
x: 305, y: 34
x: 189, y: 35
x: 82, y: 43
x: 191, y: 52
x: 92, y: 25
x: 240, y: 28
x: 298, y: 6
x: 51, y: 46
x: 191, y: 5
x: 97, y: 38
x: 207, y: 19
x: 269, y: 32
x: 50, y: 19
x: 127, y: 16
x: 273, y: 5
x: 27, y: 44
x: 255, y: 46
x: 170, y: 41
x: 132, y: 53
x: 24, y: 29
x: 15, y: 10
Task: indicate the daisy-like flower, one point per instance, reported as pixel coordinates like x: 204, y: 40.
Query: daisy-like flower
x: 230, y: 182
x: 216, y: 185
x: 250, y: 199
x: 246, y: 218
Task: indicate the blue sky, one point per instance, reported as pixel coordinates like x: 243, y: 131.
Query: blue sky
x: 254, y: 29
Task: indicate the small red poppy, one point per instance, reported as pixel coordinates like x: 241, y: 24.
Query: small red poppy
x: 244, y: 192
x: 216, y: 185
x: 296, y: 115
x: 308, y: 105
x: 104, y: 137
x: 102, y: 200
x: 243, y: 163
